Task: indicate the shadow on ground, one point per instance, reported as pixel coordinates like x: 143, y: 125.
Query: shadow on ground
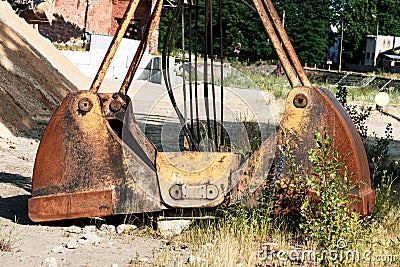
x: 15, y: 208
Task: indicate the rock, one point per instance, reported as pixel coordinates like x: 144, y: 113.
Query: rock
x: 50, y: 262
x: 90, y: 238
x: 173, y: 227
x: 90, y: 228
x: 73, y: 229
x: 58, y: 249
x: 114, y: 265
x: 126, y: 228
x: 107, y: 228
x: 72, y: 244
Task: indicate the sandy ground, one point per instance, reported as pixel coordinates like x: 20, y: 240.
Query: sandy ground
x: 34, y: 76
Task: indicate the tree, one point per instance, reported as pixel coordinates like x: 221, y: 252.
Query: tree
x: 240, y: 24
x: 308, y: 26
x: 360, y: 18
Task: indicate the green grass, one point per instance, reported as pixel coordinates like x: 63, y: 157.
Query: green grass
x: 280, y: 86
x: 241, y: 233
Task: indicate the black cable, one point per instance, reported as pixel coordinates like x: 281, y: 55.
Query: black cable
x: 206, y: 101
x: 165, y: 69
x: 215, y: 138
x: 222, y: 140
x: 190, y: 70
x: 195, y: 69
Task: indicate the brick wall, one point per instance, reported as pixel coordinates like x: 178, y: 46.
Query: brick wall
x: 98, y: 14
x: 102, y: 18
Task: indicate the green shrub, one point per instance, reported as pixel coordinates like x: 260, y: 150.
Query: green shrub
x: 325, y: 213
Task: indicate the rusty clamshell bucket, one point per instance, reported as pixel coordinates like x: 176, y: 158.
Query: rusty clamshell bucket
x: 93, y: 160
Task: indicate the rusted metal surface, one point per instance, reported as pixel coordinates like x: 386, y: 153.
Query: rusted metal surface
x: 75, y: 205
x: 319, y: 109
x: 153, y: 21
x: 286, y: 43
x: 269, y: 28
x: 310, y: 108
x: 281, y: 43
x: 250, y: 180
x: 195, y: 179
x: 81, y: 152
x: 105, y: 64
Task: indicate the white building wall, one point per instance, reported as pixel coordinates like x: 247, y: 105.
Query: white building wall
x: 378, y: 44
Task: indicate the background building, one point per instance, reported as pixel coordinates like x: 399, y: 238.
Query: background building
x: 377, y: 46
x: 74, y: 18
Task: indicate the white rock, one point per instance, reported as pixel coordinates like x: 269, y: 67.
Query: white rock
x: 91, y: 238
x: 73, y: 229
x: 114, y: 265
x: 90, y: 228
x: 72, y: 244
x: 126, y: 228
x: 50, y: 262
x: 173, y: 227
x: 58, y: 249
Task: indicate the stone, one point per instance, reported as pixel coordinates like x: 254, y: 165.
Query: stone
x: 58, y: 249
x: 126, y: 228
x: 90, y: 228
x: 107, y: 228
x: 50, y: 262
x: 173, y: 227
x: 91, y: 238
x: 72, y: 244
x: 73, y: 229
x: 114, y: 265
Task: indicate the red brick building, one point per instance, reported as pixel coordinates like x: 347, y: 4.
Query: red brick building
x: 74, y: 17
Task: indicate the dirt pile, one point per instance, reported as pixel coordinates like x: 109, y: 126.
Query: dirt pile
x: 34, y: 75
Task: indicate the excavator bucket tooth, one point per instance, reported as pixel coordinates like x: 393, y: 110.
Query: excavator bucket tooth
x: 84, y: 169
x: 312, y: 108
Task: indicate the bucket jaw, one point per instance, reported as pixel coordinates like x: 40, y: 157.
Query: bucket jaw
x: 312, y: 108
x: 82, y: 168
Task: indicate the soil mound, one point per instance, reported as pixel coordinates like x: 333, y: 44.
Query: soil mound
x: 34, y: 75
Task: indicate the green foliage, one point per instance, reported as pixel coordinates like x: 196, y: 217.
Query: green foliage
x: 240, y: 24
x: 359, y: 115
x: 307, y: 24
x: 289, y: 189
x: 360, y: 18
x: 378, y: 154
x: 326, y: 217
x: 386, y: 200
